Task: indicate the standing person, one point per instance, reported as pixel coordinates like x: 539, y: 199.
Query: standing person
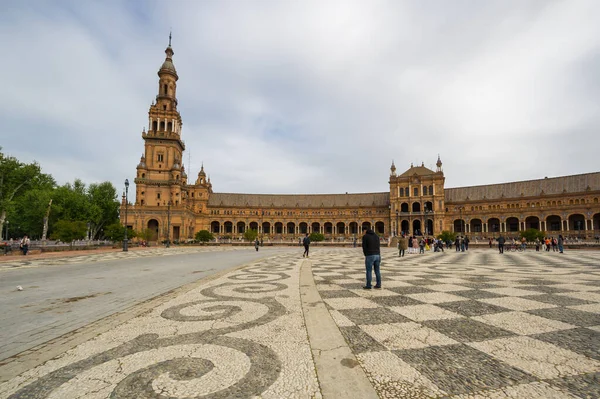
x: 306, y: 243
x: 25, y: 244
x: 501, y: 242
x: 457, y: 243
x: 537, y: 245
x: 561, y: 242
x: 402, y: 245
x: 524, y: 243
x: 490, y: 243
x: 415, y: 245
x: 410, y: 241
x: 370, y: 246
x: 422, y: 246
x: 467, y: 243
x: 462, y: 244
x: 256, y: 243
x: 554, y: 243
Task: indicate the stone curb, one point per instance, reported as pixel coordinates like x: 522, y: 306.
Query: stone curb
x: 339, y: 373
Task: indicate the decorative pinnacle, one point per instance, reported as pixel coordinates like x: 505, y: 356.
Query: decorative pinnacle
x: 169, y: 38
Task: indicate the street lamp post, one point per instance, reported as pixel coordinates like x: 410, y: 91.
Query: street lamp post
x: 169, y: 224
x: 125, y: 241
x: 397, y: 228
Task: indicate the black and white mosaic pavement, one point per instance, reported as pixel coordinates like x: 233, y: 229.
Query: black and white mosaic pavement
x: 240, y: 336
x: 477, y: 325
x: 470, y: 325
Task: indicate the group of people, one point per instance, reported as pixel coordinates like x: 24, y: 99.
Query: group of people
x: 557, y: 244
x: 418, y: 245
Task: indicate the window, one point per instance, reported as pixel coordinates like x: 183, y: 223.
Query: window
x: 401, y: 191
x: 165, y: 89
x: 430, y: 190
x: 416, y: 191
x: 154, y: 126
x: 160, y: 158
x: 424, y: 190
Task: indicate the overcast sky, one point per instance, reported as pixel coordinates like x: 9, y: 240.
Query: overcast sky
x: 307, y: 96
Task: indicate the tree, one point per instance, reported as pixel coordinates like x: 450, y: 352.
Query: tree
x: 104, y: 206
x: 532, y: 234
x: 145, y: 234
x: 67, y: 231
x: 314, y: 236
x: 446, y: 236
x: 250, y: 235
x: 15, y: 179
x: 204, y: 236
x: 116, y: 232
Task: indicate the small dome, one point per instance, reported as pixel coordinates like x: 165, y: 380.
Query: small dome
x: 168, y: 66
x: 176, y: 166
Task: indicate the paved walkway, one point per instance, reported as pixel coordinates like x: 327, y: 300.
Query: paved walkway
x: 451, y: 325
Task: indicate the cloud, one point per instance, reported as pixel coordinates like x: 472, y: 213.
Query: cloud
x: 307, y: 97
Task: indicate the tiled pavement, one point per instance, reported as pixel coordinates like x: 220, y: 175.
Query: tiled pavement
x: 451, y: 325
x: 471, y: 325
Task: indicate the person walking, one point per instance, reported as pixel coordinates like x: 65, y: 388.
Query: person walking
x: 554, y: 244
x: 561, y: 242
x: 402, y: 245
x: 306, y: 243
x: 457, y: 243
x: 537, y: 245
x: 422, y: 246
x: 467, y: 241
x: 370, y: 246
x: 256, y: 244
x: 491, y: 243
x: 25, y: 244
x: 501, y: 242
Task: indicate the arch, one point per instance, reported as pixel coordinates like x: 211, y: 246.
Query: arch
x: 416, y: 207
x: 476, y: 226
x: 340, y: 228
x: 228, y: 227
x: 494, y: 225
x: 576, y: 223
x: 303, y: 226
x: 404, y: 207
x: 315, y: 227
x: 366, y: 225
x: 532, y: 222
x: 417, y: 227
x: 429, y: 227
x: 404, y: 227
x: 169, y: 127
x: 291, y: 228
x: 553, y: 223
x: 459, y: 226
x: 165, y: 89
x: 254, y: 226
x: 596, y: 222
x: 353, y: 227
x: 278, y: 228
x: 428, y: 206
x: 512, y: 224
x: 241, y: 227
x: 266, y: 228
x: 215, y: 227
x: 328, y: 228
x: 153, y: 226
x: 595, y: 200
x: 154, y: 126
x: 162, y: 126
x: 380, y: 227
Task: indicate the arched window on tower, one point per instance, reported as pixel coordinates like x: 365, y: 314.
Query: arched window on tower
x: 162, y: 126
x: 165, y: 90
x: 169, y: 127
x: 154, y: 126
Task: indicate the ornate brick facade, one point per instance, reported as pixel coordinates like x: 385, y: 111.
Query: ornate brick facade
x: 417, y: 201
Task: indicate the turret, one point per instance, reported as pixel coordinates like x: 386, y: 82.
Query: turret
x: 393, y: 169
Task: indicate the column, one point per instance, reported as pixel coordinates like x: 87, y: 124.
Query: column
x: 149, y: 123
x: 585, y: 224
x: 485, y: 227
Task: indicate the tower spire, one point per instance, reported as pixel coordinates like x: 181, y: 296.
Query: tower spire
x: 169, y: 38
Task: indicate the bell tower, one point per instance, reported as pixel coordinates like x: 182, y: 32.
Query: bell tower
x: 160, y: 174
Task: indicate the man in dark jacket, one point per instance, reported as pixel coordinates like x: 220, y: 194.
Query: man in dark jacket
x: 501, y: 242
x: 370, y: 245
x: 306, y: 243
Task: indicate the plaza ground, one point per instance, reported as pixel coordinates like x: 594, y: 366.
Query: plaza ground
x: 274, y: 325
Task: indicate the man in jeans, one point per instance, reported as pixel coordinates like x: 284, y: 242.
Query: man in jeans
x: 370, y: 245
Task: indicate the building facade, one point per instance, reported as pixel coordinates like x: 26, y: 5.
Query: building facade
x: 417, y: 201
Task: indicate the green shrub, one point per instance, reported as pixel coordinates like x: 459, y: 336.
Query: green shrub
x: 315, y: 237
x: 204, y: 236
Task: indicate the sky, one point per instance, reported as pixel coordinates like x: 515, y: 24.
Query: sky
x: 306, y: 96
